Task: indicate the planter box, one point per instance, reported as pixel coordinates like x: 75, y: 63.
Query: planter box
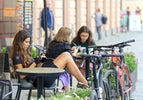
x: 134, y: 79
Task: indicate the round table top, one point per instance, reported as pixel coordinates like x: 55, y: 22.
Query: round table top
x: 39, y: 71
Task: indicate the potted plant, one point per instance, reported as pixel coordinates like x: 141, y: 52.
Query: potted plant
x: 132, y: 61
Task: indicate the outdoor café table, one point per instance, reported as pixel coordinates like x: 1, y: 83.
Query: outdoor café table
x: 39, y: 72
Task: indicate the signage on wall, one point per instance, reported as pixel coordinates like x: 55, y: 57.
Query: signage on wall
x: 28, y: 15
x: 9, y: 12
x: 19, y: 13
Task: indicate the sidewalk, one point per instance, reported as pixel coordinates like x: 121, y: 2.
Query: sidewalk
x: 115, y: 38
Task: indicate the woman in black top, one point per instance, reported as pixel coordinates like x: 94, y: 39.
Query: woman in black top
x: 58, y: 45
x: 21, y: 52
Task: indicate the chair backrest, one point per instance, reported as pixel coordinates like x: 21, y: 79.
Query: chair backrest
x: 2, y: 59
x: 3, y: 94
x: 6, y: 63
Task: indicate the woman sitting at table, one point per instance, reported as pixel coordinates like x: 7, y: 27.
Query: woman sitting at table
x: 60, y: 46
x: 21, y: 58
x: 83, y: 38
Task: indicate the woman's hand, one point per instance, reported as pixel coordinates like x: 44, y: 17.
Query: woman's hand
x: 74, y: 50
x: 96, y: 52
x: 78, y: 54
x: 42, y: 58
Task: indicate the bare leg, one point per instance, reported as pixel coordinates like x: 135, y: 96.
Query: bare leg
x: 65, y: 59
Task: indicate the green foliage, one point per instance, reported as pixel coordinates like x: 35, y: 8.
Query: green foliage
x: 41, y: 98
x: 103, y: 71
x: 3, y: 50
x: 131, y: 61
x: 113, y: 82
x: 74, y: 94
x: 34, y: 52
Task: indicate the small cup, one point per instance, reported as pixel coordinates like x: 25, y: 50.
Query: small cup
x: 90, y: 50
x: 83, y: 50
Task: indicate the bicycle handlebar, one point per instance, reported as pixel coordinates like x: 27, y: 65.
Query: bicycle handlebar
x: 121, y: 44
x: 41, y: 48
x: 102, y: 55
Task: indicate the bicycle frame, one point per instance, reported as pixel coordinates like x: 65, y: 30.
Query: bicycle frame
x: 120, y: 69
x: 117, y: 59
x: 97, y: 72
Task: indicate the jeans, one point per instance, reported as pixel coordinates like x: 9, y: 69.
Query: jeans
x: 26, y: 84
x: 98, y: 28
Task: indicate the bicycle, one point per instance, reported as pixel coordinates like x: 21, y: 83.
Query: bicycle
x: 118, y: 72
x: 100, y: 88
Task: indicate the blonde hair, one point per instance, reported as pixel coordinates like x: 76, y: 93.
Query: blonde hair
x: 63, y: 35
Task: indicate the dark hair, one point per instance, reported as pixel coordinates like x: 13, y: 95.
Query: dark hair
x: 128, y: 8
x: 78, y: 39
x: 98, y: 9
x: 17, y: 46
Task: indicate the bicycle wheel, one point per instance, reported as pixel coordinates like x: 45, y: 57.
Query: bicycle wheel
x: 106, y: 93
x: 93, y: 95
x: 116, y: 91
x: 127, y: 85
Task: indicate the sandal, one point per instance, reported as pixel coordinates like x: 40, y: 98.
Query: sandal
x: 82, y: 86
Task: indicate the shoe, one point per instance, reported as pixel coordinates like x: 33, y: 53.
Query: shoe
x: 82, y: 86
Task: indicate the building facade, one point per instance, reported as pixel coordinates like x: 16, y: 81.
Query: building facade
x: 75, y: 13
x: 70, y: 13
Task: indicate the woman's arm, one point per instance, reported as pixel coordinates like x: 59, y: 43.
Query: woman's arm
x: 20, y: 66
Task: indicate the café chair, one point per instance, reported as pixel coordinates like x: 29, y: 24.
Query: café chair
x: 20, y: 88
x: 5, y: 95
x: 2, y: 56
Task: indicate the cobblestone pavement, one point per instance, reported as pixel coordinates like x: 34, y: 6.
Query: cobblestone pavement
x: 115, y: 38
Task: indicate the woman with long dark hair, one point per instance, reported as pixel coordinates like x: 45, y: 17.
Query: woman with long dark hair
x: 21, y: 58
x: 84, y: 39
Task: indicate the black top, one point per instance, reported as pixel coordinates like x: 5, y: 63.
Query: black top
x: 54, y: 50
x: 48, y: 80
x: 17, y: 59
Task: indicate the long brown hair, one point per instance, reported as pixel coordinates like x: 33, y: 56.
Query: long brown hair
x: 17, y: 46
x: 63, y: 35
x: 77, y: 37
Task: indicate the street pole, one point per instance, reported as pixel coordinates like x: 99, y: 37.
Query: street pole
x: 45, y: 23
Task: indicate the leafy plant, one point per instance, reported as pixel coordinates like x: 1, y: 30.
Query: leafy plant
x: 34, y: 52
x: 3, y: 50
x: 41, y: 98
x: 74, y: 94
x: 131, y: 61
